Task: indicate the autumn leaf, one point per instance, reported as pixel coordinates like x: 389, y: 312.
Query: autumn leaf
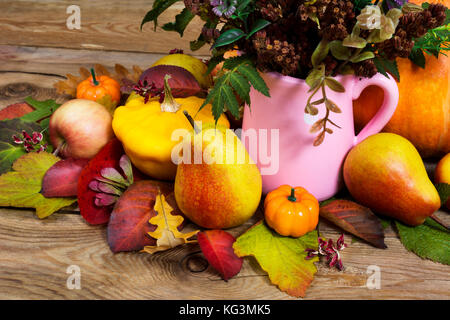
x: 108, y: 157
x: 283, y: 258
x: 429, y: 240
x: 16, y: 110
x: 42, y: 111
x: 217, y: 247
x: 129, y: 225
x: 355, y: 219
x: 9, y: 150
x: 61, y: 180
x: 21, y: 187
x: 108, y: 103
x: 167, y: 234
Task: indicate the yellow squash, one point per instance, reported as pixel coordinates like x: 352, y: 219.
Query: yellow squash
x: 146, y: 130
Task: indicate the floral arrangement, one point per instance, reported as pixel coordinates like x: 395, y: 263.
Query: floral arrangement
x: 110, y: 148
x: 313, y: 40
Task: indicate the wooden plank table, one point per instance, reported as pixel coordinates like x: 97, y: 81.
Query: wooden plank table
x: 35, y: 254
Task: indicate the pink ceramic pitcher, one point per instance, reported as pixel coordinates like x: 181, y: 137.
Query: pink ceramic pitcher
x: 318, y: 169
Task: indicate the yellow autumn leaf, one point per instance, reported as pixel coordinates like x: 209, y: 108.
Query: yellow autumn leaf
x: 166, y: 234
x: 22, y: 186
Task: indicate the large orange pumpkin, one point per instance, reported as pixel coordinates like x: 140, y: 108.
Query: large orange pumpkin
x: 423, y: 111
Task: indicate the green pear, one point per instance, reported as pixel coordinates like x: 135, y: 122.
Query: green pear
x: 217, y: 186
x: 386, y: 173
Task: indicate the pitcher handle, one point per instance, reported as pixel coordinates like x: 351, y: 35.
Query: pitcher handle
x: 386, y: 110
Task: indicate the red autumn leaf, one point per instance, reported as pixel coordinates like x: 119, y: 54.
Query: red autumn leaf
x: 61, y: 180
x: 108, y: 157
x: 217, y: 247
x: 129, y: 224
x: 355, y: 219
x: 16, y: 110
x: 182, y: 83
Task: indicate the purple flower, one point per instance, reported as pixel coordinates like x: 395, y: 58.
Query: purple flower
x: 395, y: 3
x: 327, y: 248
x: 223, y: 7
x: 31, y: 142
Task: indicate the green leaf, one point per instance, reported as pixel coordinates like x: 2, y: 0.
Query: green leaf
x: 228, y: 37
x: 43, y: 109
x: 159, y: 6
x: 218, y: 105
x: 181, y: 21
x: 339, y: 51
x: 258, y: 25
x: 315, y: 77
x: 197, y: 44
x: 444, y: 192
x: 10, y: 151
x: 417, y: 57
x: 255, y: 79
x: 354, y: 41
x: 334, y: 85
x: 234, y: 62
x: 320, y: 52
x: 241, y: 86
x: 244, y: 4
x: 363, y: 56
x: 239, y: 75
x: 429, y: 240
x: 21, y: 187
x: 230, y: 101
x: 283, y: 258
x: 384, y: 66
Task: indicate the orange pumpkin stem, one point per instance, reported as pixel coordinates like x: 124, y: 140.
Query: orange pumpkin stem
x: 292, y: 196
x: 94, y: 80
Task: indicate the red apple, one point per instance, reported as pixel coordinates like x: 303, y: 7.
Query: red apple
x: 80, y: 128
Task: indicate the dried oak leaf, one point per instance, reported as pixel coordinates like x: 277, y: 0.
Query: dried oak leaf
x: 129, y: 225
x: 283, y: 258
x: 21, y: 187
x: 355, y: 219
x: 166, y: 233
x: 217, y: 247
x: 121, y: 74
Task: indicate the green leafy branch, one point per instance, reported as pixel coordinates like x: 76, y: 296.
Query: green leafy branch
x: 234, y: 83
x: 435, y: 42
x: 182, y: 20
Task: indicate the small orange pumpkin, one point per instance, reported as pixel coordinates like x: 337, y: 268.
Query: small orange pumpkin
x: 291, y: 211
x: 95, y: 88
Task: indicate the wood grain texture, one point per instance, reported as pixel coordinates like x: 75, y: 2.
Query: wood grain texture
x: 16, y: 86
x: 105, y: 25
x: 36, y: 254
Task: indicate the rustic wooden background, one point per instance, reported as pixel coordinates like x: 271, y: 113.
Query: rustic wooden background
x: 36, y: 50
x: 105, y: 25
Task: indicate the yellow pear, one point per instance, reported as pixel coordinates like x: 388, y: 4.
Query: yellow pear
x: 217, y: 185
x: 442, y: 173
x: 386, y: 173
